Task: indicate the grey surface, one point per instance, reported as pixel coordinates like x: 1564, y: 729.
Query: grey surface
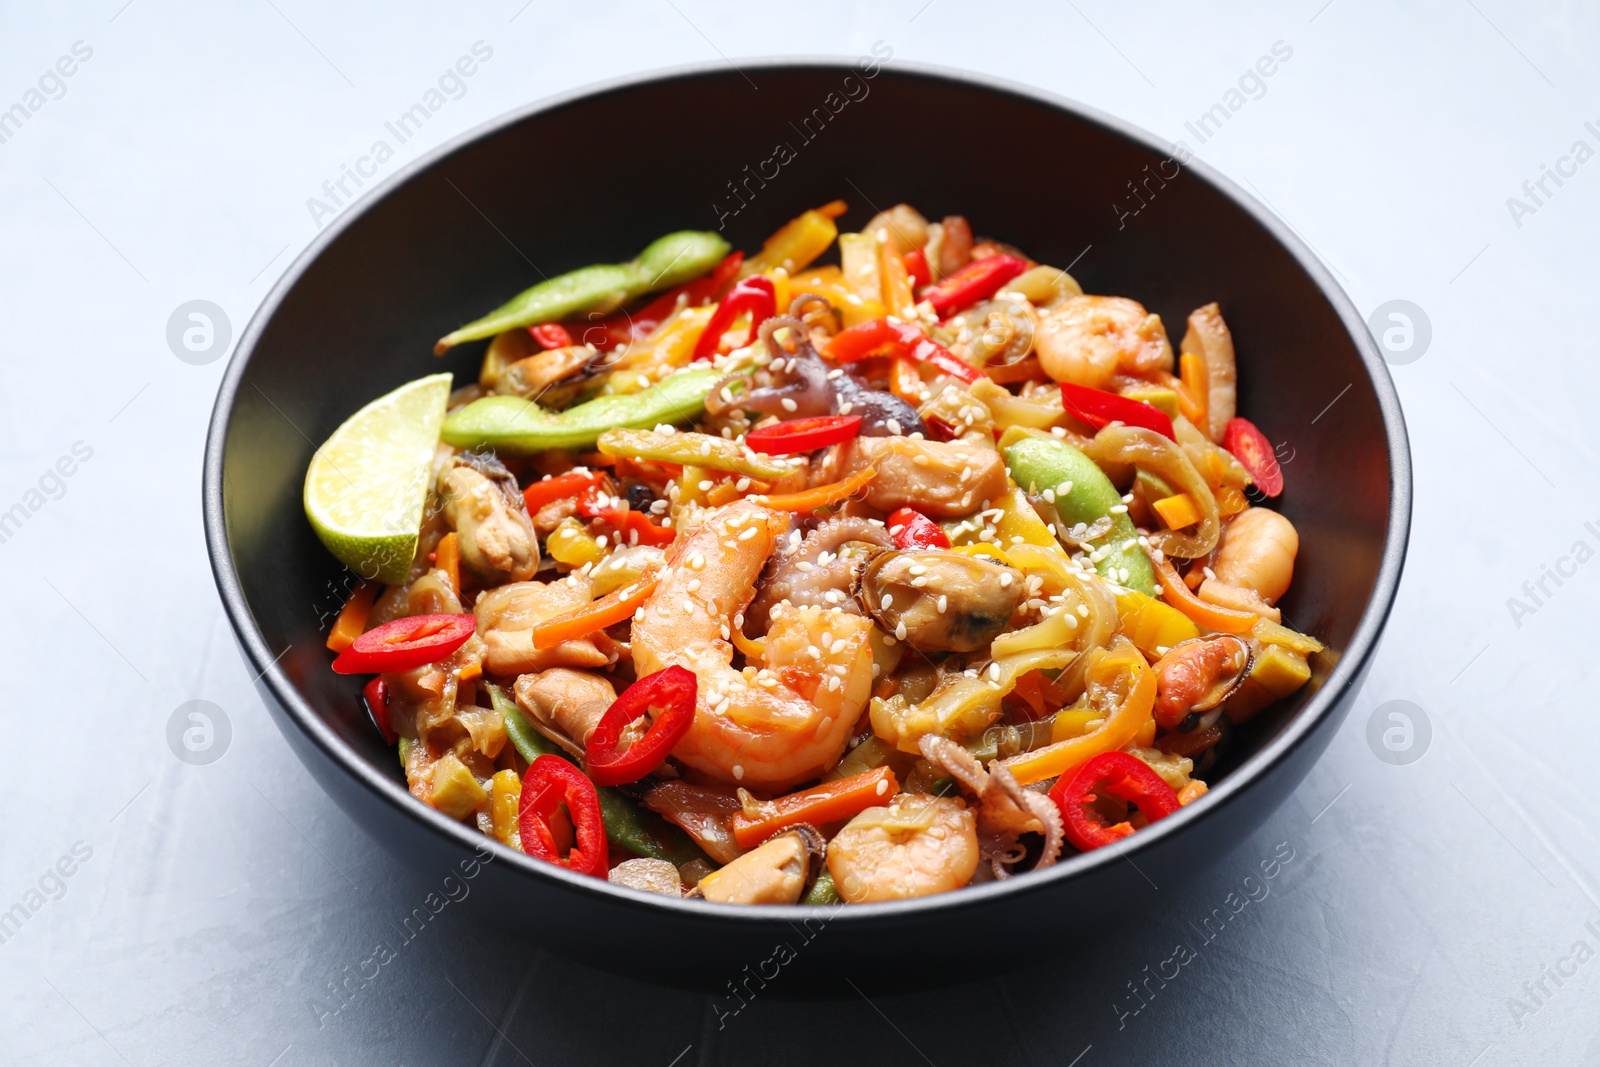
x: 221, y: 904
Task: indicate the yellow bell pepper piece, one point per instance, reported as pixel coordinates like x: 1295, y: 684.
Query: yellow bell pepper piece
x: 798, y: 242
x: 1166, y: 400
x: 505, y: 798
x: 1152, y: 625
x: 1177, y: 511
x: 1270, y: 633
x: 1124, y: 681
x: 1074, y: 722
x: 670, y: 348
x: 455, y: 791
x: 1277, y: 672
x: 829, y: 282
x: 570, y: 543
x: 1020, y: 524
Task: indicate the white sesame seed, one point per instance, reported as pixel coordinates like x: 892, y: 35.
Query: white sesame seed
x: 943, y: 603
x: 845, y: 408
x: 738, y: 773
x: 705, y: 485
x: 1005, y: 579
x: 789, y: 405
x: 894, y: 425
x: 1118, y: 509
x: 882, y: 787
x: 900, y: 630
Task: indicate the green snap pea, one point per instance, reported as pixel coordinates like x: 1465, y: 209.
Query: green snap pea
x: 823, y: 891
x: 515, y: 426
x: 1040, y: 463
x: 669, y: 261
x: 641, y: 832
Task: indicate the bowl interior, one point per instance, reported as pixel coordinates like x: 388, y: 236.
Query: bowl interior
x: 594, y: 180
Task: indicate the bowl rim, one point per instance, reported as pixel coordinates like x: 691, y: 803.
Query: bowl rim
x: 1228, y: 791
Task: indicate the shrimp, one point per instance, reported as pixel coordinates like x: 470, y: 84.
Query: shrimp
x: 916, y: 846
x: 1087, y: 339
x: 1258, y: 553
x: 769, y: 727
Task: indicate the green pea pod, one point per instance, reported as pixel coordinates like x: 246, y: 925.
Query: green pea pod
x: 823, y: 891
x: 691, y: 450
x: 515, y: 426
x: 641, y: 832
x: 1040, y: 463
x: 669, y: 261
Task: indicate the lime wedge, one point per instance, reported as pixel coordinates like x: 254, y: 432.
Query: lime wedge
x: 367, y: 484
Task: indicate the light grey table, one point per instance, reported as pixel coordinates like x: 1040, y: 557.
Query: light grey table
x: 1441, y: 911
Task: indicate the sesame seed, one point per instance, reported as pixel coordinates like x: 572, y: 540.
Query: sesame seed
x: 943, y: 603
x: 893, y: 424
x: 882, y: 787
x: 900, y: 630
x: 1049, y: 496
x: 1005, y: 580
x: 1083, y: 611
x: 742, y: 484
x: 705, y: 485
x: 1118, y: 509
x: 693, y: 586
x: 697, y: 559
x: 845, y: 408
x: 994, y: 671
x: 738, y: 773
x: 789, y: 404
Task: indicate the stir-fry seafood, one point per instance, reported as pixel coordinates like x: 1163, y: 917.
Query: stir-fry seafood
x: 764, y: 580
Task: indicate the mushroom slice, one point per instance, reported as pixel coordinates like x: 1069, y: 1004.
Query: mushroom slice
x: 648, y: 875
x: 1197, y: 675
x: 937, y: 600
x: 779, y: 871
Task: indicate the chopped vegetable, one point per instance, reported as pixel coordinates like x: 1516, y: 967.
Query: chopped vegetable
x: 1122, y: 688
x: 887, y: 337
x: 819, y: 496
x: 1210, y: 616
x: 1099, y: 408
x: 551, y: 335
x: 1114, y: 774
x: 352, y: 618
x: 1152, y: 625
x: 376, y: 695
x: 912, y: 529
x: 699, y: 449
x: 1251, y: 447
x: 978, y: 280
x: 798, y: 242
x: 515, y: 426
x: 447, y: 557
x: 819, y: 805
x: 550, y: 781
x: 561, y: 487
x: 405, y: 643
x: 753, y: 296
x: 803, y: 435
x: 608, y: 610
x: 668, y: 699
x: 1177, y: 511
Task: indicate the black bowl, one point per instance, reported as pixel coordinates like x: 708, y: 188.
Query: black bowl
x: 592, y: 177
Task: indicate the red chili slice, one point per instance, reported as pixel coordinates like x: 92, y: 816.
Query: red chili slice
x: 405, y: 643
x: 377, y: 697
x: 551, y: 335
x: 1099, y: 408
x: 1251, y: 447
x: 879, y: 337
x: 549, y: 781
x: 803, y: 435
x: 916, y: 262
x: 916, y: 530
x: 1114, y: 774
x: 669, y: 697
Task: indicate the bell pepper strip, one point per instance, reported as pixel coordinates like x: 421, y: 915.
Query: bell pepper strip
x: 667, y: 698
x: 1120, y: 678
x: 818, y: 805
x: 1114, y: 774
x: 916, y: 262
x: 609, y: 610
x: 1152, y: 625
x: 883, y: 337
x: 1099, y: 408
x: 352, y: 617
x: 819, y: 496
x: 977, y: 281
x: 631, y: 523
x: 405, y: 643
x: 511, y: 425
x: 912, y: 529
x: 666, y: 262
x: 626, y: 327
x: 550, y: 781
x: 1177, y: 511
x: 447, y: 558
x: 1207, y: 616
x: 376, y: 694
x: 627, y: 825
x: 691, y: 448
x: 798, y: 242
x: 1251, y: 448
x: 803, y: 435
x: 562, y: 486
x: 754, y: 296
x: 894, y: 280
x: 1196, y: 380
x: 551, y: 335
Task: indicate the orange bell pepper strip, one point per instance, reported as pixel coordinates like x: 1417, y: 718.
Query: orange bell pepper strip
x: 447, y: 557
x: 352, y: 620
x: 1122, y: 672
x: 1196, y: 378
x: 609, y: 610
x: 1208, y: 616
x: 825, y: 803
x: 819, y: 496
